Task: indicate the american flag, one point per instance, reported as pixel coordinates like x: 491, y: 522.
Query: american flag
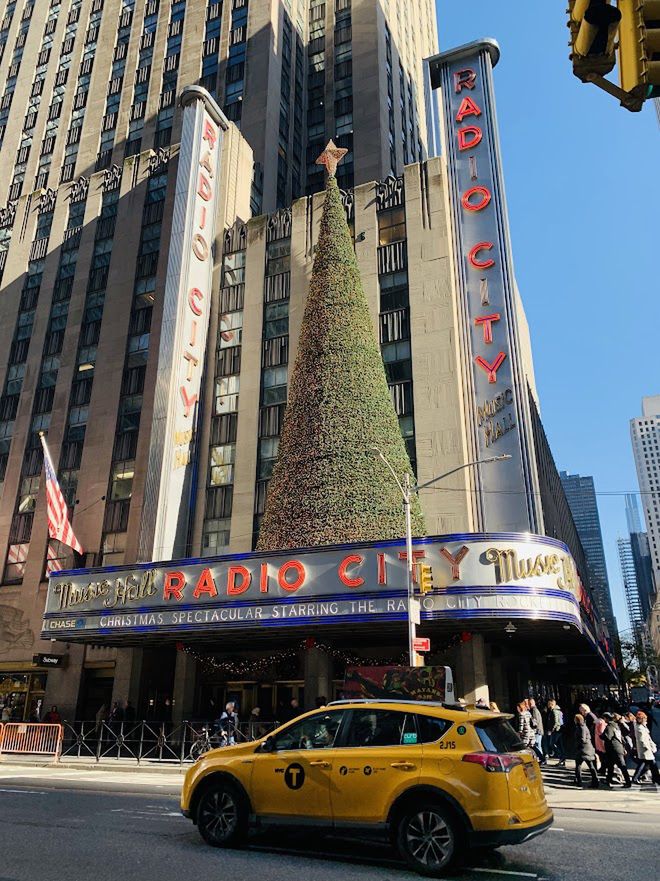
x: 59, y: 526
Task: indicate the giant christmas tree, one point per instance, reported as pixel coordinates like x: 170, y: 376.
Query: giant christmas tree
x: 329, y: 485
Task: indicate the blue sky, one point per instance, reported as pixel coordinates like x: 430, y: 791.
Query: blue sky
x: 583, y: 192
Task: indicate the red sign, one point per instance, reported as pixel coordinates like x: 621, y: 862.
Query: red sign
x: 422, y: 644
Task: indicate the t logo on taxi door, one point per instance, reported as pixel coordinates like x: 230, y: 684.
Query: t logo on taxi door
x: 294, y: 776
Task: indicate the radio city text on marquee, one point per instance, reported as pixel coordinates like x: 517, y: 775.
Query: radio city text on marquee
x: 259, y: 580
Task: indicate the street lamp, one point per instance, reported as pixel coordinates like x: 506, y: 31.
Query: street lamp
x: 407, y: 491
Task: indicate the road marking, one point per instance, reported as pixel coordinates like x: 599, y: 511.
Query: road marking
x: 24, y: 791
x: 505, y: 872
x: 556, y: 829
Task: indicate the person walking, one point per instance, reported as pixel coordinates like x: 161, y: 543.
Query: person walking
x: 584, y: 752
x: 599, y: 745
x: 539, y: 731
x: 555, y: 722
x: 615, y: 751
x: 525, y: 730
x: 228, y: 724
x: 646, y: 750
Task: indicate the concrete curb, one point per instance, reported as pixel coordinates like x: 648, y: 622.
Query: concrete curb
x: 133, y: 768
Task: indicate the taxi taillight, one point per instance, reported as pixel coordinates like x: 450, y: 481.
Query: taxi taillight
x: 498, y: 762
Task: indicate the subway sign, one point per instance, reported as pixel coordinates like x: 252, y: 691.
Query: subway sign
x: 475, y: 577
x: 494, y: 382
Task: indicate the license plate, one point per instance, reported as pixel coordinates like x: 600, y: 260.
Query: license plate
x: 530, y: 772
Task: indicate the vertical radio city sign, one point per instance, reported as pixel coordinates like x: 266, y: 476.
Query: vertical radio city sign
x: 186, y: 313
x: 495, y: 386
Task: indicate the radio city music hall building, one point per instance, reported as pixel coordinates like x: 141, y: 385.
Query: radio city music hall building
x: 183, y: 415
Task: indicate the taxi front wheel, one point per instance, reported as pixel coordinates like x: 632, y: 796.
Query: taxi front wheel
x: 222, y: 818
x: 427, y: 839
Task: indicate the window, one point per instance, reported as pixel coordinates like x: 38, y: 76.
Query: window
x: 16, y: 560
x: 391, y: 226
x: 431, y: 729
x: 498, y: 736
x: 215, y: 538
x: 222, y: 464
x: 381, y: 728
x: 316, y: 732
x: 121, y: 480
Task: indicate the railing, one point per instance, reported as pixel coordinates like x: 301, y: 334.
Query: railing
x: 145, y: 741
x: 30, y: 738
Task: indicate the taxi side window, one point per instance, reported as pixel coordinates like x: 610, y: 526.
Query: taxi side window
x: 316, y: 732
x: 381, y: 728
x: 431, y: 729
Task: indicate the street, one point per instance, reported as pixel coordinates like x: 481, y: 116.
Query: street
x: 111, y: 827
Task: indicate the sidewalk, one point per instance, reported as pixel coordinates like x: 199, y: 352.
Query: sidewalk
x: 562, y: 794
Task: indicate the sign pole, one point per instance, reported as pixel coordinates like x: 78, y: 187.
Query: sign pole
x: 412, y: 632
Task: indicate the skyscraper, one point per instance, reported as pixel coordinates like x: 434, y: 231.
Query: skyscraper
x: 630, y: 587
x: 581, y: 496
x: 641, y: 555
x: 90, y: 82
x: 645, y: 435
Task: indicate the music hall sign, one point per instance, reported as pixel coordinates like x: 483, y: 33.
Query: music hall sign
x: 475, y: 577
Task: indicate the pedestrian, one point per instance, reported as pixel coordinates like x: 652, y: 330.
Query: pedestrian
x: 525, y: 730
x: 321, y: 701
x: 646, y: 750
x: 228, y: 724
x: 53, y: 717
x: 254, y: 724
x: 481, y: 704
x: 6, y: 713
x: 539, y: 731
x: 599, y: 744
x: 627, y: 733
x: 293, y: 710
x: 555, y: 723
x: 615, y: 751
x: 116, y: 713
x: 584, y: 752
x: 492, y: 706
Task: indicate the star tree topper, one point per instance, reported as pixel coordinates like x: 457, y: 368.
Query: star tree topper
x: 331, y: 157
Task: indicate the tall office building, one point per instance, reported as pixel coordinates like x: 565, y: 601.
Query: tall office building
x: 581, y: 496
x: 645, y: 435
x: 633, y: 604
x: 88, y: 83
x: 641, y: 555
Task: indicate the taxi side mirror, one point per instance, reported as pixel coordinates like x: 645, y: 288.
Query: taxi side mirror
x: 268, y: 745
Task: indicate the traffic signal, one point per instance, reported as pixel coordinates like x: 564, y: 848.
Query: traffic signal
x: 593, y: 25
x: 639, y: 48
x: 425, y: 578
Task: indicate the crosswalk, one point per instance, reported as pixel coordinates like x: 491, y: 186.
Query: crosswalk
x: 556, y: 777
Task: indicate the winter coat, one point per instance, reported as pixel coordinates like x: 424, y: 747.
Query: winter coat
x: 554, y: 720
x: 537, y: 720
x: 590, y: 720
x: 584, y: 748
x: 613, y: 741
x: 525, y: 728
x: 646, y: 748
x: 597, y: 735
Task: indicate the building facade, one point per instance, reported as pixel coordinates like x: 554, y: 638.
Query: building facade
x: 581, y: 495
x: 645, y: 436
x: 93, y: 270
x: 95, y: 81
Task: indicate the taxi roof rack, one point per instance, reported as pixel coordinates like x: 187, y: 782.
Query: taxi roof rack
x: 397, y: 700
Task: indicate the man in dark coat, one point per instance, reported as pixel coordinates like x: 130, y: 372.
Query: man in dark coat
x: 584, y: 752
x: 615, y: 753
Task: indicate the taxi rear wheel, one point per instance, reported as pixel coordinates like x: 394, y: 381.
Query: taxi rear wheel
x: 427, y: 839
x: 222, y: 819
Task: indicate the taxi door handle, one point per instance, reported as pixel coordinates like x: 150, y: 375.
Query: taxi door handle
x: 403, y: 766
x: 248, y: 761
x: 321, y: 763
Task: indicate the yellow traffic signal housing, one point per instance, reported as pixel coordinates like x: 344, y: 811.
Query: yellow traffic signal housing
x: 425, y: 578
x: 593, y: 25
x: 639, y: 47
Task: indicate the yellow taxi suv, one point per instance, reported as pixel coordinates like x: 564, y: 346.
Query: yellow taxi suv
x: 440, y: 779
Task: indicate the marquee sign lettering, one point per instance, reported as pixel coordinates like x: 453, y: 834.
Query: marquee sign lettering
x: 186, y: 314
x: 495, y: 385
x: 474, y: 576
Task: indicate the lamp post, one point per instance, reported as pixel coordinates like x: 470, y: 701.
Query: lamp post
x: 407, y: 491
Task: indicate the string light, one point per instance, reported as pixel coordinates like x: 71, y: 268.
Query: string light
x: 249, y: 668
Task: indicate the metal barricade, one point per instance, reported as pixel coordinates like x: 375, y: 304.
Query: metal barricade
x: 31, y: 738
